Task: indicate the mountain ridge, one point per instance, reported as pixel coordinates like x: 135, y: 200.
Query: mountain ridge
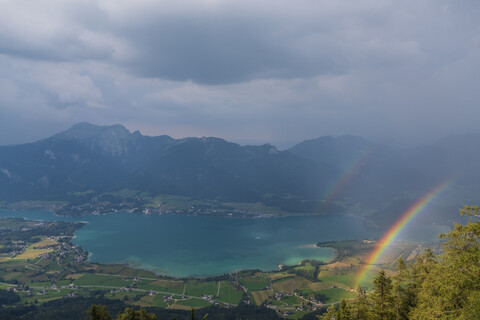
x: 107, y: 159
x: 313, y: 175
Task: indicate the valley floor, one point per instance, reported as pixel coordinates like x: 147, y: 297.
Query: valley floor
x: 39, y: 262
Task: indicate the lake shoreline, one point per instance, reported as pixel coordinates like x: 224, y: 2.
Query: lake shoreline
x: 185, y: 246
x: 56, y: 207
x: 225, y: 245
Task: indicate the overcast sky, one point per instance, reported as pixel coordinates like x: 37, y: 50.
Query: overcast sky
x: 274, y: 71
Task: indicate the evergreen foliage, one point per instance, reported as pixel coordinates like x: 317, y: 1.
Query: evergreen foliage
x: 451, y: 289
x: 98, y: 312
x: 330, y: 315
x: 7, y: 297
x: 344, y: 311
x: 360, y: 305
x: 131, y: 314
x: 432, y: 287
x: 382, y: 298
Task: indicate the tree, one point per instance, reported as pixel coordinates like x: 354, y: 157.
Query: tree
x: 192, y: 313
x: 404, y: 290
x: 330, y: 315
x: 131, y: 314
x: 421, y: 269
x: 382, y: 298
x: 360, y: 305
x: 344, y: 311
x: 451, y: 290
x: 444, y: 287
x: 98, y: 312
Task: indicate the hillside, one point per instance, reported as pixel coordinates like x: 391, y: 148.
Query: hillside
x: 89, y: 159
x: 95, y: 164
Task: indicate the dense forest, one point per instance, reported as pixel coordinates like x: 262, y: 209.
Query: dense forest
x: 99, y: 308
x: 445, y: 286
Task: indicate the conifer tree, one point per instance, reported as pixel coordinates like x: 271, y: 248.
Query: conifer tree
x: 98, y: 312
x: 330, y: 315
x: 131, y: 314
x: 404, y: 290
x: 360, y: 305
x: 344, y: 311
x: 421, y: 268
x: 451, y: 290
x: 383, y: 307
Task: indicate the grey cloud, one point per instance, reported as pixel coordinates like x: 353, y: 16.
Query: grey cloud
x: 282, y: 40
x: 55, y: 31
x: 216, y: 50
x: 63, y: 48
x: 244, y: 70
x: 234, y: 42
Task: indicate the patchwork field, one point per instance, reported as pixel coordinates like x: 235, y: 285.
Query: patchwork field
x: 289, y: 285
x: 35, y: 250
x: 229, y: 294
x: 199, y: 288
x: 102, y: 280
x: 260, y: 296
x: 41, y: 270
x: 254, y: 283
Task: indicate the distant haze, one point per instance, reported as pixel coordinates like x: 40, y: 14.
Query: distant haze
x: 397, y: 72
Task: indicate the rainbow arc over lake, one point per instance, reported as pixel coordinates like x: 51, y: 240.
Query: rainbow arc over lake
x: 399, y: 225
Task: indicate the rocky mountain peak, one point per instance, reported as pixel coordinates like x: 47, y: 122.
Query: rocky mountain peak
x: 110, y: 140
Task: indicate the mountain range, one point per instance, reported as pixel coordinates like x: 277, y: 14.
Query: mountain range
x: 327, y: 173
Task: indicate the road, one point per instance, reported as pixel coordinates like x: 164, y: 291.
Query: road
x: 131, y: 289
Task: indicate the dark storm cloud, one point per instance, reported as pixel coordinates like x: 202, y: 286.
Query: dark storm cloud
x: 229, y: 43
x: 225, y: 42
x: 278, y: 71
x: 222, y: 49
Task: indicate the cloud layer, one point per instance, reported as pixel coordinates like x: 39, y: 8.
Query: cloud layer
x: 277, y: 71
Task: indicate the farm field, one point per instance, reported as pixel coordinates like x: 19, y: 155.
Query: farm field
x: 45, y: 267
x: 254, y: 283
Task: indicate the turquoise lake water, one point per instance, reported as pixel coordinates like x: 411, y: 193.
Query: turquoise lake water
x: 182, y: 246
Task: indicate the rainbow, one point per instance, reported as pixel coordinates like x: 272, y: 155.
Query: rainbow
x: 348, y: 174
x: 399, y: 225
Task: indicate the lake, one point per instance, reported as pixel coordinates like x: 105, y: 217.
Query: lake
x: 181, y: 246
